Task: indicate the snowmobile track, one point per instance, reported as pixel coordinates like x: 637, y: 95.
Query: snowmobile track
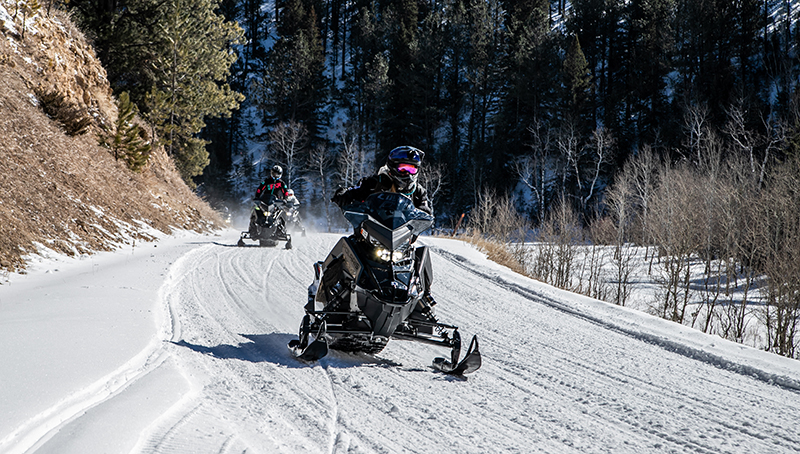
x: 787, y: 383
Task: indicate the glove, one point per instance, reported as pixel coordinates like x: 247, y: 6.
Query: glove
x: 338, y: 197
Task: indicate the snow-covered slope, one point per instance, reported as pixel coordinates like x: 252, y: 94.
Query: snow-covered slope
x: 180, y: 347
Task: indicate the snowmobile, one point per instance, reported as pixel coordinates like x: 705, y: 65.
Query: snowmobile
x: 268, y: 228
x: 291, y: 217
x: 375, y: 286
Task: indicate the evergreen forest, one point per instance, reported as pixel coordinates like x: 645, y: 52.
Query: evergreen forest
x: 552, y: 95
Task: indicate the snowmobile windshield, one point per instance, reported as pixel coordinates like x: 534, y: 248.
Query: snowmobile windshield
x: 388, y: 217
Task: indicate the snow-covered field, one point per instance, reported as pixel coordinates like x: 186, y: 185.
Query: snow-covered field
x: 180, y: 347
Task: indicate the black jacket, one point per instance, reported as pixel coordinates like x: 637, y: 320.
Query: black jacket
x: 379, y: 183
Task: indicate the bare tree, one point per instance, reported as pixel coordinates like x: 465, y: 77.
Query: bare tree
x: 673, y: 228
x: 319, y: 162
x: 568, y: 147
x: 559, y: 237
x: 746, y: 141
x: 742, y: 138
x: 643, y: 171
x: 620, y: 202
x: 532, y: 169
x: 351, y: 161
x: 433, y: 179
x: 696, y: 125
x: 602, y: 146
x: 287, y: 141
x: 781, y: 257
x: 739, y: 228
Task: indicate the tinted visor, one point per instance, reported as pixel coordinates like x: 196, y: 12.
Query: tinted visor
x: 407, y: 168
x: 406, y: 154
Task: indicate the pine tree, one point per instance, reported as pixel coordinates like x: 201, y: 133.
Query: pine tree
x: 127, y: 143
x: 651, y: 49
x: 191, y: 60
x: 293, y: 86
x: 403, y: 123
x: 531, y: 80
x: 368, y: 87
x: 576, y: 82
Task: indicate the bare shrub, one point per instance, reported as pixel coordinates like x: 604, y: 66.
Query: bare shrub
x: 781, y: 261
x: 73, y: 117
x: 673, y: 228
x: 620, y: 202
x: 558, y: 237
x: 495, y: 220
x: 494, y: 217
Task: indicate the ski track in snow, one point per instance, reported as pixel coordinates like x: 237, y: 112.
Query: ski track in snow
x: 556, y: 378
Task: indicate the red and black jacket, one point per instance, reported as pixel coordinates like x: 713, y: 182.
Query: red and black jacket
x: 271, y: 187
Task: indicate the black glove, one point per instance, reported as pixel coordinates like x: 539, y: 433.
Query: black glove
x: 338, y: 197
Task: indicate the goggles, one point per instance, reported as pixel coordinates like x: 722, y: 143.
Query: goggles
x: 406, y: 154
x: 407, y: 168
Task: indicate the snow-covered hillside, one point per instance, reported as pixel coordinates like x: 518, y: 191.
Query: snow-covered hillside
x: 180, y: 347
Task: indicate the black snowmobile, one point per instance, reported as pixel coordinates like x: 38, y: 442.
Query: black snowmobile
x: 375, y: 285
x: 269, y: 226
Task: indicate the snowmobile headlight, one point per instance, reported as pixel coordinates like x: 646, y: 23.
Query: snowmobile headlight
x: 386, y: 255
x: 383, y: 255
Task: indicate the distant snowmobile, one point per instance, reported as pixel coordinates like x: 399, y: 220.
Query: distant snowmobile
x: 374, y: 285
x: 291, y: 216
x: 271, y: 228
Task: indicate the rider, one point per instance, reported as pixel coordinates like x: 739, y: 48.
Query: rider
x: 272, y: 186
x: 399, y: 174
x: 291, y: 199
x: 293, y: 211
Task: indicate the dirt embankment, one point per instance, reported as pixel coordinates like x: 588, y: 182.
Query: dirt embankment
x: 59, y: 188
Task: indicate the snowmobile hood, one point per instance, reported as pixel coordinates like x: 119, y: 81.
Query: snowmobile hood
x: 389, y: 217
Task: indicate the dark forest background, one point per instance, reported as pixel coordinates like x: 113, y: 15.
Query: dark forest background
x: 555, y: 95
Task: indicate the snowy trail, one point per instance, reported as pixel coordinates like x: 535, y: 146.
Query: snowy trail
x: 561, y: 373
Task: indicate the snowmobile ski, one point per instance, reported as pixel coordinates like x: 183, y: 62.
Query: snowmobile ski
x: 470, y: 363
x: 313, y: 351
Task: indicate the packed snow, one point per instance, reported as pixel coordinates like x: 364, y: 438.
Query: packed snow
x: 179, y: 346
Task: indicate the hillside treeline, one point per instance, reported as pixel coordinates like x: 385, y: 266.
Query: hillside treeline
x: 557, y: 93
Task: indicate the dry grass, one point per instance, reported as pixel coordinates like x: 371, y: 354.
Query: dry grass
x: 58, y: 188
x: 495, y: 251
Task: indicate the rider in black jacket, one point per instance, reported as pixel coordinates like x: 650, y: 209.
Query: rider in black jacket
x: 399, y: 174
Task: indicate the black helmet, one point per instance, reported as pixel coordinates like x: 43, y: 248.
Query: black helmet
x: 276, y: 171
x: 404, y: 164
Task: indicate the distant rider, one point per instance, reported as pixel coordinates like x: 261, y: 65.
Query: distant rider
x: 272, y: 186
x: 399, y: 174
x: 291, y: 199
